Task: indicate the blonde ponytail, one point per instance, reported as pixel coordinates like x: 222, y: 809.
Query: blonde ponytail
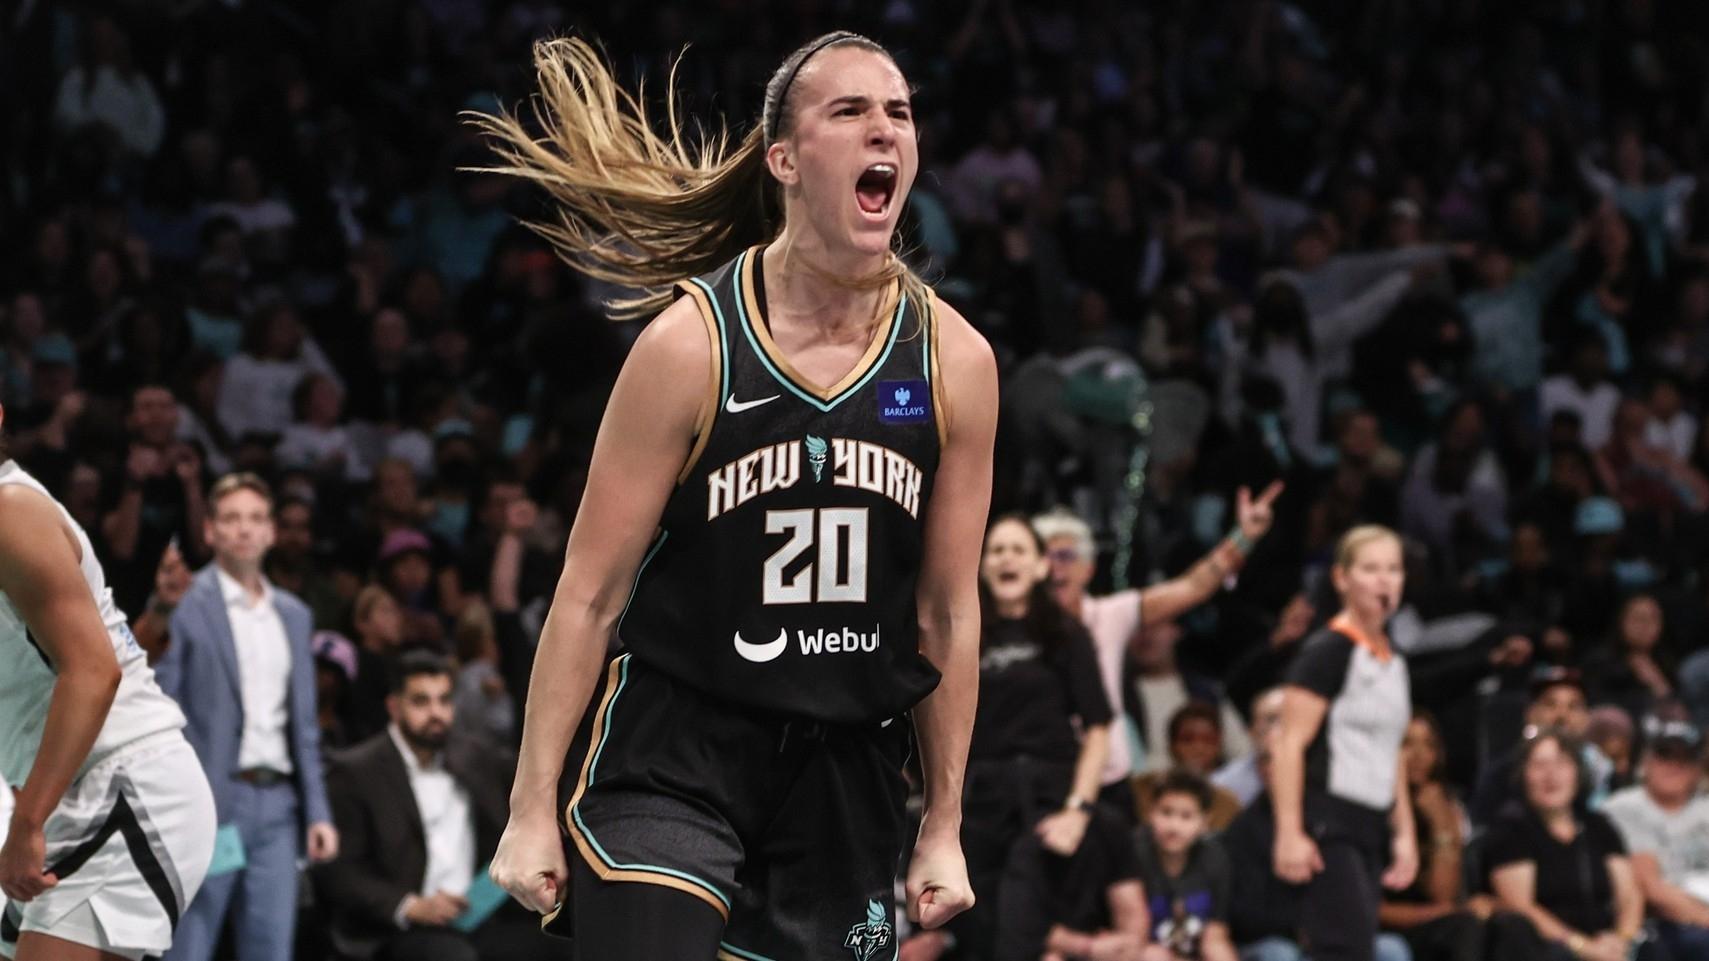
x: 639, y: 209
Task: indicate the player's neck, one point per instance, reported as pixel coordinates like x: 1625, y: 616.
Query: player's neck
x: 801, y: 275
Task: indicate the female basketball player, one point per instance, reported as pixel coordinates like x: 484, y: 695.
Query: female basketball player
x: 782, y: 523
x: 113, y: 826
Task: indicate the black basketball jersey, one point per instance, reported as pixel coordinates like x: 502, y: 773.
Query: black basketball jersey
x: 783, y: 574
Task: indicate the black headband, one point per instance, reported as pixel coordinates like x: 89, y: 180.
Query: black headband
x: 783, y: 92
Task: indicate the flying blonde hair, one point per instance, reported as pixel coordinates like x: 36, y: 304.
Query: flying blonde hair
x: 642, y: 209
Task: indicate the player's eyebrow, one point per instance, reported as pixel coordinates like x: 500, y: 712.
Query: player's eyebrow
x: 862, y: 101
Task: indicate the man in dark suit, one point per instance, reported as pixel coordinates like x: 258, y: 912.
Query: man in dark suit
x: 419, y: 814
x: 238, y: 664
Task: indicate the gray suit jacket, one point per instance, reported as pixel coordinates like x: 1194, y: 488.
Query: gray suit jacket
x: 200, y: 672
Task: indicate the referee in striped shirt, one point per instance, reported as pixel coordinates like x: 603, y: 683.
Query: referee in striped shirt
x: 1342, y: 825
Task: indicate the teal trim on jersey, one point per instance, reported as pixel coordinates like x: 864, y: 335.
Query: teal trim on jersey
x: 723, y: 338
x: 575, y: 812
x: 653, y: 552
x: 895, y: 952
x: 823, y: 406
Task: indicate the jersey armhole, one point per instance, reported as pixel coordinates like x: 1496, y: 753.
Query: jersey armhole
x: 934, y: 372
x: 715, y: 379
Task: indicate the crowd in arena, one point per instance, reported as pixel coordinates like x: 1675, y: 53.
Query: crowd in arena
x: 1256, y: 273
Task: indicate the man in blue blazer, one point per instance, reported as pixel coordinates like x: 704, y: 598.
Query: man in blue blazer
x: 238, y: 663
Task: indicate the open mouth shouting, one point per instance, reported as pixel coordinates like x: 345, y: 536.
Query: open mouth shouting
x: 875, y: 189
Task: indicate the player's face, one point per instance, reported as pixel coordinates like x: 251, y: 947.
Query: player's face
x: 1012, y: 563
x: 1371, y: 583
x: 852, y: 152
x: 241, y: 528
x: 423, y: 710
x: 1176, y: 822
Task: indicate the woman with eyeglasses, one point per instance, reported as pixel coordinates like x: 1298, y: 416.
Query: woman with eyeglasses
x: 1337, y: 771
x: 1113, y: 619
x: 1562, y: 866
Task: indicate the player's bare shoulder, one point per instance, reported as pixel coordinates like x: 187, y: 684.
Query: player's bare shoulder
x: 29, y: 523
x: 669, y: 370
x: 968, y: 364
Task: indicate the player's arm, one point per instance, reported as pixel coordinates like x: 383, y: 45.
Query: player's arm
x: 948, y: 603
x: 39, y: 574
x: 643, y: 442
x: 1165, y: 601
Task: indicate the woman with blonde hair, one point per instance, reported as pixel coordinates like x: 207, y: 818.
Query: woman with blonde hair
x: 1338, y: 778
x: 758, y: 528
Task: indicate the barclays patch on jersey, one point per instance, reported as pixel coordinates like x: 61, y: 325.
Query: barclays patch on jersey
x: 904, y: 401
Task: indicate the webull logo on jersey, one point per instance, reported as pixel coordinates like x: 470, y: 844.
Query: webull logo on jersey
x: 775, y: 467
x: 904, y: 401
x: 822, y: 641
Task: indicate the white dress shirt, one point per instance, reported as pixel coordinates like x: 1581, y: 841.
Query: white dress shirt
x: 264, y: 673
x: 447, y: 821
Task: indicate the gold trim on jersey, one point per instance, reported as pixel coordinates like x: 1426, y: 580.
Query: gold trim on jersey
x: 762, y: 334
x: 604, y: 871
x: 715, y: 386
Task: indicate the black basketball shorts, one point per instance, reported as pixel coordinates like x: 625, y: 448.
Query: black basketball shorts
x: 790, y: 829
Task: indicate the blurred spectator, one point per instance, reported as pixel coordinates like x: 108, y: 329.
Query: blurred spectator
x: 420, y: 812
x: 240, y: 666
x: 1029, y: 770
x: 1434, y: 914
x: 1195, y: 747
x: 1633, y: 670
x: 1155, y: 687
x: 405, y: 567
x: 156, y: 497
x: 1557, y: 703
x: 481, y: 698
x: 335, y: 673
x: 1455, y: 499
x: 1612, y: 733
x: 379, y: 627
x: 1240, y: 777
x: 1087, y: 906
x: 257, y: 390
x: 1665, y: 824
x: 316, y: 440
x: 1117, y: 621
x: 108, y: 92
x: 1185, y: 875
x: 1562, y: 866
x: 1583, y: 388
x: 172, y: 580
x: 292, y: 562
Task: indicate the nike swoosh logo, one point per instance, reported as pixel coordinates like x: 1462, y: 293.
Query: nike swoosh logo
x: 735, y: 406
x: 761, y: 653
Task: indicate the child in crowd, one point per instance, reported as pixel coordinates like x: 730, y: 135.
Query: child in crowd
x: 1185, y: 875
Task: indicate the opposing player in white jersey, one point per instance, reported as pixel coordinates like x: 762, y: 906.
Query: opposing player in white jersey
x: 113, y: 824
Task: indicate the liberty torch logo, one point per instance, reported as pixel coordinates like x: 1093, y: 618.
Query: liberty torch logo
x: 869, y: 937
x: 816, y: 448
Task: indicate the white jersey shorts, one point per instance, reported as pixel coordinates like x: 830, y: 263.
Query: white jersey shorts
x: 130, y: 843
